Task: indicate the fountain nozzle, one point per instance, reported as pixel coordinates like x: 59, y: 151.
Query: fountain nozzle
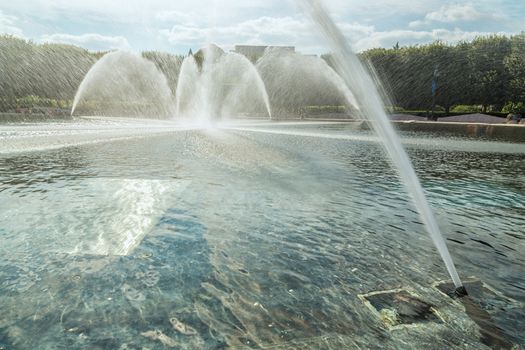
x: 460, y: 292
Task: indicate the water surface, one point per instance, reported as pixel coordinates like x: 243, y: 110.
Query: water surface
x: 254, y: 235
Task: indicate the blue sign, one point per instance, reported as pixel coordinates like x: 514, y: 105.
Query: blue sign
x: 434, y: 86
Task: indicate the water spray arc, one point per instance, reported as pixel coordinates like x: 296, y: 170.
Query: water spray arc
x: 294, y: 80
x: 219, y: 85
x: 371, y: 107
x: 124, y: 83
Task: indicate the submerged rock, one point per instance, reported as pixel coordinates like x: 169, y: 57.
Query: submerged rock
x: 150, y: 278
x: 182, y: 327
x: 132, y: 294
x: 16, y: 335
x: 163, y: 338
x: 389, y: 317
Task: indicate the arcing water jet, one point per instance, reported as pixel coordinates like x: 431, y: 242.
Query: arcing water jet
x: 371, y: 107
x: 220, y: 85
x: 124, y: 84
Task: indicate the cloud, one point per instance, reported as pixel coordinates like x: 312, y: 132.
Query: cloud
x: 454, y: 13
x: 262, y: 30
x: 298, y: 32
x: 8, y: 25
x: 90, y: 41
x: 175, y: 16
x: 130, y: 11
x: 177, y: 25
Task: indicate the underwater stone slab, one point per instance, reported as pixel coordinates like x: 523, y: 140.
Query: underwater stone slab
x: 399, y: 308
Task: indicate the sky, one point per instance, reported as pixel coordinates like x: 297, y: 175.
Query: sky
x: 175, y: 26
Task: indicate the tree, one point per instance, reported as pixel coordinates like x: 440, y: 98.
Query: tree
x: 488, y: 71
x: 488, y: 74
x: 515, y: 67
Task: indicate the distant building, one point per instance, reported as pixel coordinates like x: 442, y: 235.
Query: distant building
x: 255, y: 52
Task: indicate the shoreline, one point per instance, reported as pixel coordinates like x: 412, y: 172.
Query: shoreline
x: 500, y: 132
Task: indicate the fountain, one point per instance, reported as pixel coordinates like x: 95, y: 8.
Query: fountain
x: 128, y: 234
x: 222, y: 85
x: 124, y: 84
x: 354, y: 74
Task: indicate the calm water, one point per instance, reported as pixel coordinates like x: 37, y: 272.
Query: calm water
x: 257, y: 237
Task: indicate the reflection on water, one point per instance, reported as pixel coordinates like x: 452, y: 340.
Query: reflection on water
x: 95, y: 216
x: 251, y: 239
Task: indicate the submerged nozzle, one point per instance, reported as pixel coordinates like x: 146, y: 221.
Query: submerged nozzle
x: 460, y: 292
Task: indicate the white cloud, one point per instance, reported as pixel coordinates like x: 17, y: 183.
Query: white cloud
x: 176, y: 17
x: 262, y: 30
x: 297, y: 31
x: 175, y: 25
x: 131, y: 11
x: 90, y: 41
x: 8, y: 25
x: 417, y: 23
x: 454, y: 13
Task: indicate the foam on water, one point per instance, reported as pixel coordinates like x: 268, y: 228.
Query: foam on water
x: 16, y: 138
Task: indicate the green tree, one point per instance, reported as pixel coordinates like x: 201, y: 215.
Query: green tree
x: 488, y: 75
x: 515, y: 66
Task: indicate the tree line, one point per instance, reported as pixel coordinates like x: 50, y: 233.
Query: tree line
x: 48, y: 75
x: 488, y: 72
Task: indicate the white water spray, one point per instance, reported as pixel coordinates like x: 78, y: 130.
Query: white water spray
x: 124, y: 84
x: 371, y: 107
x: 225, y: 85
x: 295, y: 80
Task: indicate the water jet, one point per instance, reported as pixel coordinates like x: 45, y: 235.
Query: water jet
x: 219, y: 86
x: 371, y: 108
x: 295, y: 80
x: 122, y: 84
